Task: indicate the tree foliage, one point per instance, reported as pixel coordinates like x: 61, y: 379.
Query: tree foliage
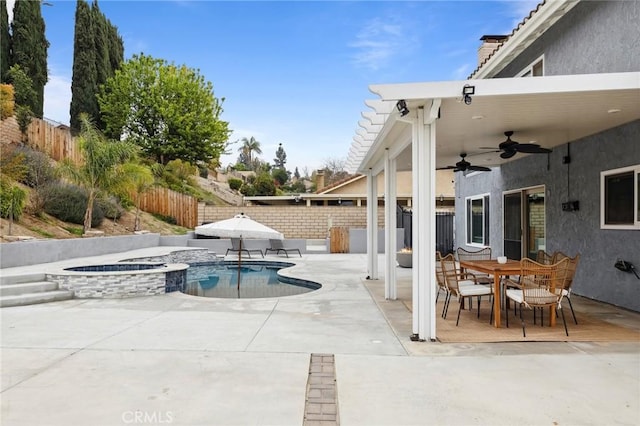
x: 29, y: 48
x: 281, y: 157
x: 7, y: 103
x: 84, y: 83
x: 169, y: 111
x: 280, y: 176
x: 249, y: 146
x: 24, y: 96
x: 5, y: 42
x: 100, y: 170
x: 97, y: 52
x: 334, y: 170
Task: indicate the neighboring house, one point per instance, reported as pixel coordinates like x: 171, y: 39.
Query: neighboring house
x: 352, y: 191
x: 568, y: 79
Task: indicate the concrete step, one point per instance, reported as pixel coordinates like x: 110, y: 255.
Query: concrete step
x: 22, y: 278
x: 33, y: 298
x: 24, y: 288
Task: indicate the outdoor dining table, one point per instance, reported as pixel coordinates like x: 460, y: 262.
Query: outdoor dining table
x: 497, y: 270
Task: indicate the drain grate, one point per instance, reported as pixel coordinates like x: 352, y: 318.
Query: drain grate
x: 321, y: 406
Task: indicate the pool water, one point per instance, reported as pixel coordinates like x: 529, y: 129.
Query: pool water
x: 257, y: 280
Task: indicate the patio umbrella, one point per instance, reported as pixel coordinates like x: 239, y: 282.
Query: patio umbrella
x: 240, y: 226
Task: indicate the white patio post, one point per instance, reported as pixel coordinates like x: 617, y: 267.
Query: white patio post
x: 372, y: 225
x: 424, y: 222
x: 390, y: 225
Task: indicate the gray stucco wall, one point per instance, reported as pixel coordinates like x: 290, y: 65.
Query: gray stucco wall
x: 571, y: 232
x: 594, y: 37
x: 44, y: 251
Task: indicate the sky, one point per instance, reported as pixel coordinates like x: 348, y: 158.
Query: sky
x: 291, y: 72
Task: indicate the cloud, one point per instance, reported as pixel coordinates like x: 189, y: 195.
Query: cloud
x: 57, y: 98
x: 378, y: 42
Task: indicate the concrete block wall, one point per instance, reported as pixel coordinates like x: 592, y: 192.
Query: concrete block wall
x: 307, y: 222
x: 10, y: 131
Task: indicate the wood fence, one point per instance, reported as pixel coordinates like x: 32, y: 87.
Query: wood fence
x: 55, y: 141
x: 183, y: 208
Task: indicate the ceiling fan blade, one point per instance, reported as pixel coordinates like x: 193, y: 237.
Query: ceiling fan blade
x: 508, y: 144
x: 508, y: 154
x: 446, y: 168
x: 531, y: 148
x: 479, y: 168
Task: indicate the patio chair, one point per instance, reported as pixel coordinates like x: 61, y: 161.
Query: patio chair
x: 568, y: 279
x: 483, y: 254
x: 277, y: 246
x: 442, y: 284
x: 235, y: 247
x: 544, y: 258
x: 463, y: 286
x: 540, y: 286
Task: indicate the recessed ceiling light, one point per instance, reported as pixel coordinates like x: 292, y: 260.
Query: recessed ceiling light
x: 477, y: 117
x: 614, y: 110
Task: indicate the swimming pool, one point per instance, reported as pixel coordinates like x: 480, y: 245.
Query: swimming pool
x: 257, y: 280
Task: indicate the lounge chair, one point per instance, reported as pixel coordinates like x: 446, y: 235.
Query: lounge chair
x: 277, y: 246
x: 235, y: 247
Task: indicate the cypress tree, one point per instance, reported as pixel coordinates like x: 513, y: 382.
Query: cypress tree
x: 116, y: 47
x: 5, y: 42
x: 84, y: 79
x: 29, y: 47
x: 101, y: 43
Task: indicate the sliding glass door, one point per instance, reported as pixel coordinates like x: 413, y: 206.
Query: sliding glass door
x: 524, y: 223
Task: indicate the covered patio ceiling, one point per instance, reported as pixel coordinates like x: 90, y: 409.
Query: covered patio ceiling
x: 549, y: 111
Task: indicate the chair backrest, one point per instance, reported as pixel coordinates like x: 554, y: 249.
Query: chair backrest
x: 541, y: 284
x: 235, y: 244
x: 276, y: 244
x: 482, y: 254
x: 439, y: 272
x: 545, y: 258
x: 449, y: 272
x: 571, y: 268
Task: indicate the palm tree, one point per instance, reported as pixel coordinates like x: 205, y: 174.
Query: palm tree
x: 99, y: 170
x: 249, y: 146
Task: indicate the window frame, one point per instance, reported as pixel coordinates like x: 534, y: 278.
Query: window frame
x: 635, y: 169
x: 486, y: 203
x: 529, y: 68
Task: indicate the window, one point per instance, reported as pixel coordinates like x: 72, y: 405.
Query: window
x: 535, y: 69
x: 620, y: 198
x: 478, y: 220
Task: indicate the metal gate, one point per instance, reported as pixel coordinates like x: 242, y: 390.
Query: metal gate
x: 444, y: 229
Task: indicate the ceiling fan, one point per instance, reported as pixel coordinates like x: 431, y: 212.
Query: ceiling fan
x: 510, y: 147
x: 463, y: 166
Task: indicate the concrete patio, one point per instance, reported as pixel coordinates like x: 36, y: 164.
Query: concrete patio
x: 183, y: 360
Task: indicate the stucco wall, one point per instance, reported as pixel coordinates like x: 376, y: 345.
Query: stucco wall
x: 571, y: 232
x: 594, y: 37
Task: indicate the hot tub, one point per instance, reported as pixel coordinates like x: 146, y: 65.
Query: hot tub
x: 121, y: 280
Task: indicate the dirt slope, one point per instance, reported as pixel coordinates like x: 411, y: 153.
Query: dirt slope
x: 50, y: 227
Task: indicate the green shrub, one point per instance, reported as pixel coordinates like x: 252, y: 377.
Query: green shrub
x: 12, y: 200
x: 69, y: 203
x: 248, y: 190
x: 111, y: 207
x: 235, y: 183
x: 169, y: 219
x: 38, y: 168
